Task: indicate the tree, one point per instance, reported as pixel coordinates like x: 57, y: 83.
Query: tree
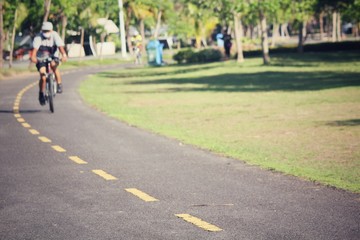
x: 87, y: 20
x: 238, y: 10
x: 180, y: 25
x: 335, y: 7
x: 62, y: 10
x: 264, y: 37
x: 352, y: 14
x: 280, y: 16
x: 161, y: 8
x: 200, y: 15
x: 20, y: 13
x: 47, y: 5
x: 263, y: 7
x: 302, y: 11
x: 141, y: 10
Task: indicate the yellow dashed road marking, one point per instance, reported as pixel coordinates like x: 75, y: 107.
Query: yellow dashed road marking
x: 17, y: 115
x: 104, y: 175
x: 77, y: 160
x: 58, y: 148
x: 34, y: 132
x: 141, y: 195
x: 21, y: 120
x: 44, y: 139
x: 199, y: 223
x: 26, y: 125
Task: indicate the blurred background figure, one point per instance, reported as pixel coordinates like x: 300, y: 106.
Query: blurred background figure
x: 227, y: 45
x: 136, y: 42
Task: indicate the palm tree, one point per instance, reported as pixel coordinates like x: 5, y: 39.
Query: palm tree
x: 20, y: 14
x: 141, y: 10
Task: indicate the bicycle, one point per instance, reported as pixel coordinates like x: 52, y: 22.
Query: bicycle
x: 51, y: 86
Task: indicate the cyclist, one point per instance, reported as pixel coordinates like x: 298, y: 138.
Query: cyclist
x: 136, y: 42
x: 47, y: 44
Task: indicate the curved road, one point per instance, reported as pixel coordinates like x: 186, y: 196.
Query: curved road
x: 78, y: 174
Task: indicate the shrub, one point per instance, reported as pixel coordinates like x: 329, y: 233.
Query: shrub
x: 203, y: 56
x: 183, y: 55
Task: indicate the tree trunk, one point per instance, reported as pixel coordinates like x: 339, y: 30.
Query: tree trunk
x: 355, y: 30
x: 142, y: 32
x: 282, y: 32
x: 284, y: 29
x: 198, y: 42
x: 334, y: 20
x: 158, y: 24
x: 338, y: 28
x: 302, y: 37
x: 93, y: 40
x: 64, y: 24
x: 47, y: 4
x: 128, y: 37
x: 321, y: 22
x: 275, y: 34
x: 328, y: 27
x: 264, y: 38
x: 12, y: 40
x: 258, y: 31
x: 238, y: 36
x: 81, y: 42
x: 1, y: 34
x: 128, y: 40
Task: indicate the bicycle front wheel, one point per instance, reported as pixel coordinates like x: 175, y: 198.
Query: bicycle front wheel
x: 51, y: 81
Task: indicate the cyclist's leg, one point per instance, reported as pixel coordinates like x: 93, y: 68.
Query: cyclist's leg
x: 42, y: 84
x: 54, y: 67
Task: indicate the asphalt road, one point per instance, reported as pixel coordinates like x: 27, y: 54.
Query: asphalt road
x: 78, y: 174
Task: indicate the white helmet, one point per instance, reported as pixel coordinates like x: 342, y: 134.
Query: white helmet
x: 47, y: 26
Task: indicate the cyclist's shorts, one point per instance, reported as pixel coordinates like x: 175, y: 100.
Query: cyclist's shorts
x: 43, y: 64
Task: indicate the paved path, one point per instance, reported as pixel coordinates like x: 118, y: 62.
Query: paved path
x: 77, y: 174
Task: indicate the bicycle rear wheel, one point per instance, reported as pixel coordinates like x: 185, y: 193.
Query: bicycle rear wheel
x: 51, y: 81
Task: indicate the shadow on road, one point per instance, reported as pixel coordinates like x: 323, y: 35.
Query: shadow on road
x: 21, y: 111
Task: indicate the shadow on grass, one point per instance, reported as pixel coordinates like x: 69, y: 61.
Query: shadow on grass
x: 262, y: 81
x: 314, y: 59
x: 345, y: 123
x: 153, y: 72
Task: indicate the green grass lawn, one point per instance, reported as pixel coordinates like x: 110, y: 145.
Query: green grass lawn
x: 300, y: 115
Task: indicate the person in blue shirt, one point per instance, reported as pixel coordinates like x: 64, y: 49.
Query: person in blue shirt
x: 220, y: 40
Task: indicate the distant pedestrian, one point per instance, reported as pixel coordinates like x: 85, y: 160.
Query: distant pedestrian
x: 227, y: 45
x: 220, y: 40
